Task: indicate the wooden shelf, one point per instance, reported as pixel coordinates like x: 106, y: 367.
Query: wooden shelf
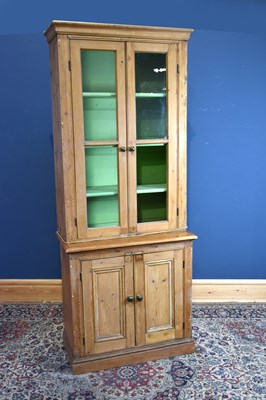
x: 102, y: 191
x: 113, y: 94
x: 99, y: 94
x: 154, y: 188
x: 150, y: 95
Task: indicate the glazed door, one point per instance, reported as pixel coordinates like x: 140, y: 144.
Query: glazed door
x: 152, y: 136
x: 159, y: 296
x: 108, y: 304
x: 99, y: 115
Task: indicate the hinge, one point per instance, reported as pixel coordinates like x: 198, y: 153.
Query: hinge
x: 183, y: 264
x: 80, y: 276
x: 76, y: 221
x: 177, y: 68
x: 69, y: 65
x: 183, y: 325
x: 177, y: 212
x: 83, y: 340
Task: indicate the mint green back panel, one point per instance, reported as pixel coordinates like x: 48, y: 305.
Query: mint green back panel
x: 102, y: 186
x: 151, y: 183
x: 99, y: 94
x: 100, y: 124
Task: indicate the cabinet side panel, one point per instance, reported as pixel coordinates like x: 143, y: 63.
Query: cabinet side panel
x: 72, y: 302
x: 57, y: 139
x: 63, y: 137
x: 66, y: 289
x: 188, y: 290
x: 182, y: 135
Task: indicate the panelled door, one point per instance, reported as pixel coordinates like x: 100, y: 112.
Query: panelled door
x: 159, y: 296
x: 108, y: 314
x: 132, y: 300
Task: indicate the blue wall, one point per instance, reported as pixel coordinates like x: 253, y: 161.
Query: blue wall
x: 226, y: 130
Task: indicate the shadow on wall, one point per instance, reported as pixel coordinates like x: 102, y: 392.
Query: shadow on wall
x: 27, y: 199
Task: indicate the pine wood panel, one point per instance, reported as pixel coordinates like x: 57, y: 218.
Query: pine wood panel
x: 121, y: 32
x: 187, y: 290
x: 132, y: 356
x: 63, y: 139
x: 182, y: 136
x: 159, y: 316
x: 127, y: 240
x: 106, y: 285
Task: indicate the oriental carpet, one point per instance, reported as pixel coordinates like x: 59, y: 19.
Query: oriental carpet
x: 229, y: 362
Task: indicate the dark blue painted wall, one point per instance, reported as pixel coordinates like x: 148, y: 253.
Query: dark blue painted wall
x: 226, y: 130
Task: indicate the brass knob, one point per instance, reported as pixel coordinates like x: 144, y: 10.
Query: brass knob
x: 123, y: 148
x: 132, y: 148
x: 130, y: 299
x: 139, y: 297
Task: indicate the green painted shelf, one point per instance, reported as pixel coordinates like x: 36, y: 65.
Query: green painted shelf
x: 113, y: 94
x: 102, y: 191
x: 99, y: 94
x: 150, y: 95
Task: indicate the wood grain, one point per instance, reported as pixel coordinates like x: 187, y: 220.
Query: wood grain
x: 121, y: 32
x: 30, y: 290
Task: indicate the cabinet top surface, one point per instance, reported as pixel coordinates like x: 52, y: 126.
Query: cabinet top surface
x: 128, y: 32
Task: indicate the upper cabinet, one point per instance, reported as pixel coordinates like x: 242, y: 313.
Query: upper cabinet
x: 119, y: 107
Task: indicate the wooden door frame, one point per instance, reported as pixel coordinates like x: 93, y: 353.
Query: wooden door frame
x: 78, y: 127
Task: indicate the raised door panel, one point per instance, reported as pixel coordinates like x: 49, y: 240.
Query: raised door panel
x: 106, y: 285
x: 159, y: 280
x: 99, y: 124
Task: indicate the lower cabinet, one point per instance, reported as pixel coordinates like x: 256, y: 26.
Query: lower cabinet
x: 127, y: 305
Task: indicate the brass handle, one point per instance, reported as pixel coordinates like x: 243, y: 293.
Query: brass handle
x: 123, y: 148
x: 132, y: 148
x: 130, y: 299
x: 139, y: 297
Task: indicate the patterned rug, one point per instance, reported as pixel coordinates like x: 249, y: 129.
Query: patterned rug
x: 229, y: 362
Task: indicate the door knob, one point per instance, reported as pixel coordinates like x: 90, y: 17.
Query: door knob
x: 130, y: 299
x: 139, y: 297
x: 132, y: 148
x: 123, y: 148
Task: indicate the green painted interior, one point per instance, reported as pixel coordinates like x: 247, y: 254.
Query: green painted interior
x: 99, y: 115
x: 151, y: 172
x: 100, y: 123
x: 151, y: 207
x: 151, y: 117
x: 101, y: 185
x: 151, y: 99
x: 99, y: 94
x: 102, y: 211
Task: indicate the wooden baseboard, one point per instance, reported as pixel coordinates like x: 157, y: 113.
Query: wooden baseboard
x: 30, y: 290
x: 203, y: 290
x: 229, y: 290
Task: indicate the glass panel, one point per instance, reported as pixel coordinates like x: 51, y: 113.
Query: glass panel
x: 150, y: 69
x: 151, y: 183
x: 99, y: 94
x: 101, y: 186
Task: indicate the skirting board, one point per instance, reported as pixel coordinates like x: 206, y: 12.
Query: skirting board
x: 203, y: 290
x: 30, y: 290
x: 228, y: 290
